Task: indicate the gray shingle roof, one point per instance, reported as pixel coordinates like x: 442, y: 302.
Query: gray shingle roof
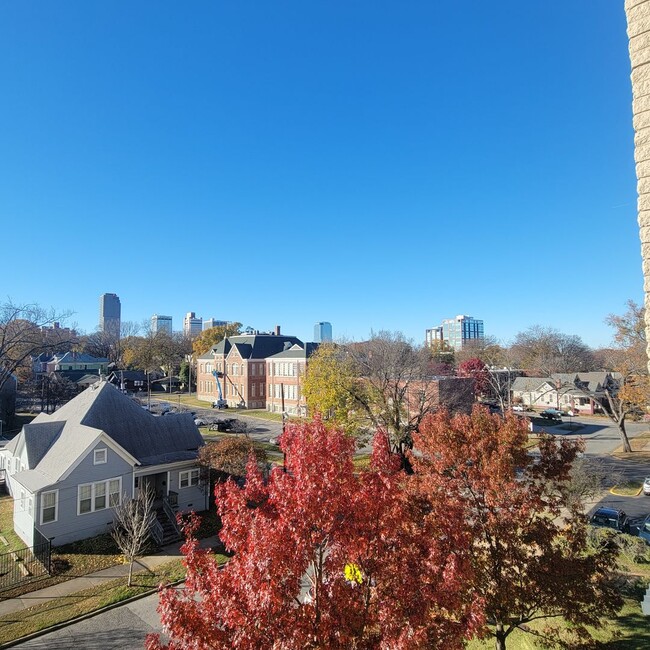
x: 39, y: 438
x: 54, y: 442
x: 253, y: 346
x: 529, y: 384
x: 297, y: 352
x: 76, y: 357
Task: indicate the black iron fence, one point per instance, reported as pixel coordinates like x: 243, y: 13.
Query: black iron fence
x: 26, y: 563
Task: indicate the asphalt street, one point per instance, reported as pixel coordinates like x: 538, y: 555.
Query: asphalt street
x: 601, y: 438
x: 124, y: 628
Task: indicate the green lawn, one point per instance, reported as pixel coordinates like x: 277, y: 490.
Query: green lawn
x: 19, y: 624
x: 630, y: 630
x: 68, y: 561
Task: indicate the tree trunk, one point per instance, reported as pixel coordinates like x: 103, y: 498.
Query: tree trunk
x: 638, y: 13
x: 128, y: 582
x: 500, y: 637
x: 627, y: 448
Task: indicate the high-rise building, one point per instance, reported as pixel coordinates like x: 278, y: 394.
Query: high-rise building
x: 110, y: 314
x: 455, y: 332
x: 208, y: 323
x: 161, y: 324
x: 323, y: 332
x: 192, y: 325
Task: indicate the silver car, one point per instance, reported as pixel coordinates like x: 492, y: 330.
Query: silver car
x: 646, y: 486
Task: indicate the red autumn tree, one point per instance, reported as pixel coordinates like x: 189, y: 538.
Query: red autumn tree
x: 324, y: 558
x: 477, y: 370
x: 528, y: 538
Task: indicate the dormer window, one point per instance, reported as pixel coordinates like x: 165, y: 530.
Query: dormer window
x: 99, y: 456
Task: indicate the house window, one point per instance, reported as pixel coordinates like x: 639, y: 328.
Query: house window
x: 30, y: 507
x: 99, y: 456
x: 114, y: 492
x: 188, y: 478
x: 85, y: 498
x: 93, y: 496
x: 100, y: 496
x: 22, y: 499
x: 49, y: 503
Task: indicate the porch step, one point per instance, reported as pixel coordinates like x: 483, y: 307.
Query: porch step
x: 169, y: 530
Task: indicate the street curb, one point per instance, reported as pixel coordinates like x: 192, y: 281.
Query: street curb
x: 83, y: 617
x: 618, y: 494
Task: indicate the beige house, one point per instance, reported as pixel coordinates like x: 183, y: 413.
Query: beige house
x: 563, y: 391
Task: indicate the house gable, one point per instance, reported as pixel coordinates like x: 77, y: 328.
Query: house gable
x: 101, y: 442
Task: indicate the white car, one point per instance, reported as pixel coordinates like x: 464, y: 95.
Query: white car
x: 519, y: 407
x: 646, y: 486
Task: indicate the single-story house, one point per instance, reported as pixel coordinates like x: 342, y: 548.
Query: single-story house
x: 68, y: 469
x: 133, y: 380
x: 566, y: 391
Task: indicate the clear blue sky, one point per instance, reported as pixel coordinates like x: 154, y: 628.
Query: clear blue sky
x: 378, y: 165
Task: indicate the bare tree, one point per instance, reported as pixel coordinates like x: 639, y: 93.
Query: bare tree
x: 549, y: 351
x: 21, y: 336
x: 627, y: 395
x: 587, y: 479
x: 395, y: 390
x: 102, y: 345
x: 132, y: 522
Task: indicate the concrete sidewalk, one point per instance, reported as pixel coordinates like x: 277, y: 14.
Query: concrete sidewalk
x: 75, y: 585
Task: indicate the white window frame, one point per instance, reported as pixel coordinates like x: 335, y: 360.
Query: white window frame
x: 191, y: 476
x: 108, y: 496
x: 97, y: 456
x: 56, y: 506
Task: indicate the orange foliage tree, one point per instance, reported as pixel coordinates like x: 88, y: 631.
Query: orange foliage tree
x: 528, y: 542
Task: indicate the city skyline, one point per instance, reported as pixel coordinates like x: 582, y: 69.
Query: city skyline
x: 364, y: 165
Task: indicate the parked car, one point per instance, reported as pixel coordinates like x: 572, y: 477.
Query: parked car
x: 551, y: 414
x: 518, y: 407
x: 225, y: 425
x: 611, y: 518
x: 644, y: 530
x: 199, y: 422
x: 646, y: 486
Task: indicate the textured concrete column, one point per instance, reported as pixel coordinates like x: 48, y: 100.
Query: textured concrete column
x: 638, y: 31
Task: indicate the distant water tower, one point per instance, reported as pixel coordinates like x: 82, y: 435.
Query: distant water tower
x: 323, y: 333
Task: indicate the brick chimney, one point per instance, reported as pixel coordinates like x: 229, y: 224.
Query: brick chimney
x: 276, y: 331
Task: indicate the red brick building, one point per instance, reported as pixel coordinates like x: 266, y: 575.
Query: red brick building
x: 284, y: 374
x: 240, y: 366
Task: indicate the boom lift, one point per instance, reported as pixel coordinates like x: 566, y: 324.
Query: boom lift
x: 221, y: 402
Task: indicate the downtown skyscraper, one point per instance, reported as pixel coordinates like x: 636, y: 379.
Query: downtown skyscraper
x: 110, y: 314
